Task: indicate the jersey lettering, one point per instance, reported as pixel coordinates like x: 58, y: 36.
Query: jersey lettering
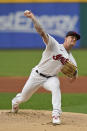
x: 61, y: 58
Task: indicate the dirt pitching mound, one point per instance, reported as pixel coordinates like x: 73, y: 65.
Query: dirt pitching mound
x: 34, y: 120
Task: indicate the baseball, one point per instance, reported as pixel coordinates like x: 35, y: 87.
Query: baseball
x: 26, y: 11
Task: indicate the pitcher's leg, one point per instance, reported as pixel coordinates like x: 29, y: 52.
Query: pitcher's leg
x: 27, y: 91
x: 32, y: 84
x: 30, y: 87
x: 53, y: 85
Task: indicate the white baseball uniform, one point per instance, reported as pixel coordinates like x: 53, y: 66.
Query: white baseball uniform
x: 45, y: 74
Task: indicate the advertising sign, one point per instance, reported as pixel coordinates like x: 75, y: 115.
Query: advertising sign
x: 17, y: 31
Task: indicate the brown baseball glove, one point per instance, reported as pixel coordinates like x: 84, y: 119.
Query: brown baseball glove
x: 69, y: 69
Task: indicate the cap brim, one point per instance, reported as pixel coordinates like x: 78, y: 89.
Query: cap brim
x: 73, y: 34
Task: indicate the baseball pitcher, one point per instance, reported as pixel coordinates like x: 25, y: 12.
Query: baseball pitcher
x: 55, y: 58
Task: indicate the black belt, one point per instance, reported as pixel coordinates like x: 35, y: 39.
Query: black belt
x: 43, y: 75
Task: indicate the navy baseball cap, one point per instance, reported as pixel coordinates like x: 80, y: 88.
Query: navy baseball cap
x: 72, y: 33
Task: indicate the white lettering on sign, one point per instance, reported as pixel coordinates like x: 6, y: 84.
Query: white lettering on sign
x: 56, y: 25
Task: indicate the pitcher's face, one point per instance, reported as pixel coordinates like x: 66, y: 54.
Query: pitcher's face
x: 71, y: 40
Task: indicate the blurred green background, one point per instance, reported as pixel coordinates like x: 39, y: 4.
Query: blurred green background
x: 20, y: 63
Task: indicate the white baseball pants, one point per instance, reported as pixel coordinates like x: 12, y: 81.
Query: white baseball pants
x: 33, y: 83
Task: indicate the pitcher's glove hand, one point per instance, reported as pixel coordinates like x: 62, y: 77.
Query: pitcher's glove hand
x: 69, y: 69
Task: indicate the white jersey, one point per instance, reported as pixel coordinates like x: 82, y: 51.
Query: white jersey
x: 51, y: 62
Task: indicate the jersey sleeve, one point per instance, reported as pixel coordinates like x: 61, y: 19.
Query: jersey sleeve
x: 52, y: 43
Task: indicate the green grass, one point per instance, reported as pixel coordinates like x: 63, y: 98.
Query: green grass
x: 20, y: 62
x: 70, y: 102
